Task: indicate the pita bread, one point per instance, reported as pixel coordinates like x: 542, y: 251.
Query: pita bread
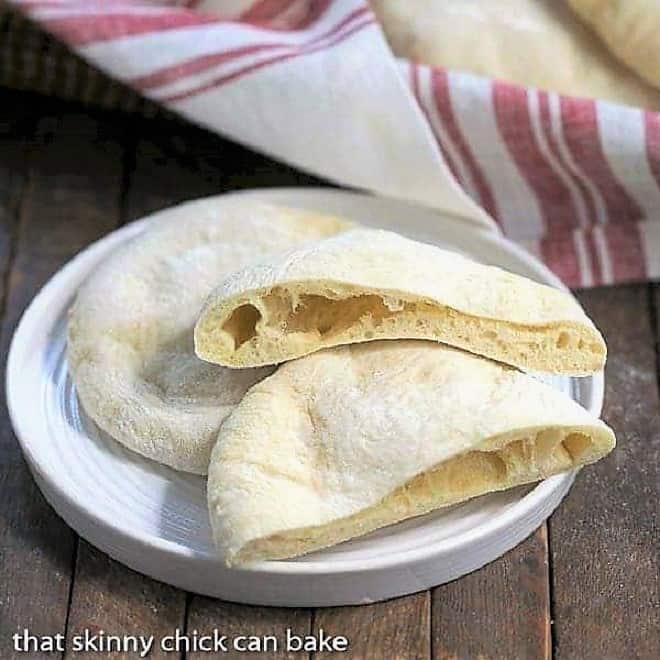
x: 536, y: 43
x: 369, y: 284
x: 351, y: 439
x: 130, y: 349
x: 630, y: 29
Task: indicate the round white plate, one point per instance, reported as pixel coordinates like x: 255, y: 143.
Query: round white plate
x: 154, y: 519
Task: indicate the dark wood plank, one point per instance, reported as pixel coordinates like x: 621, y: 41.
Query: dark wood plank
x: 60, y: 212
x: 499, y: 611
x: 397, y: 628
x: 234, y: 620
x: 109, y: 597
x: 25, y: 566
x: 604, y: 537
x: 14, y: 132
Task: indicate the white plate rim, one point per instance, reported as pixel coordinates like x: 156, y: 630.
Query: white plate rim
x: 516, y: 511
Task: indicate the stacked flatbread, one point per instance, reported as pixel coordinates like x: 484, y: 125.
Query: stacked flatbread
x: 341, y: 379
x: 605, y: 49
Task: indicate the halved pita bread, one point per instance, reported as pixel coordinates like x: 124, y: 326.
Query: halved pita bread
x: 370, y: 284
x: 351, y: 439
x: 536, y: 43
x: 130, y: 348
x: 631, y: 30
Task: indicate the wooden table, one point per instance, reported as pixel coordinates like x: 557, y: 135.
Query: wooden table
x: 585, y: 585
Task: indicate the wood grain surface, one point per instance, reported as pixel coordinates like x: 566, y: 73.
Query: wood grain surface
x: 500, y: 611
x: 584, y: 586
x: 36, y: 547
x: 604, y: 538
x: 68, y: 200
x: 397, y: 628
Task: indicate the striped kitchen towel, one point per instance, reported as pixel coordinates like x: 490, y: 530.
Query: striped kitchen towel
x: 313, y: 82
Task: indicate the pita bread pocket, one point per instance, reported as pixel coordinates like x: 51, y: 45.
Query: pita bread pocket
x: 355, y: 438
x: 130, y: 350
x: 368, y: 284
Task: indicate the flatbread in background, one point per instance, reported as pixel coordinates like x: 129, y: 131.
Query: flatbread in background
x: 348, y: 440
x: 537, y: 43
x: 369, y: 284
x: 630, y: 29
x: 130, y: 346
